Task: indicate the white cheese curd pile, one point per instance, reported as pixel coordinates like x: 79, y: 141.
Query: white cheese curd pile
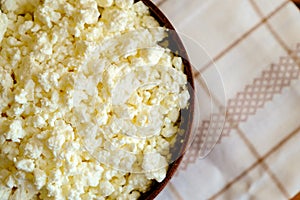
x: 89, y: 102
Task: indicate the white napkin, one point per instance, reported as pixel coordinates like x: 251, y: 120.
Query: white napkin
x: 255, y: 45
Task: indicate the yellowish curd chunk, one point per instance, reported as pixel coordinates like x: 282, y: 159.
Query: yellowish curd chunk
x: 3, y: 24
x: 89, y: 99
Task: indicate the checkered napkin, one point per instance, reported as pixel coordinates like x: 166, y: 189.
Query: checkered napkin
x: 250, y: 75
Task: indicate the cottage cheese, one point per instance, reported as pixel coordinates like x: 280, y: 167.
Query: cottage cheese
x: 88, y: 99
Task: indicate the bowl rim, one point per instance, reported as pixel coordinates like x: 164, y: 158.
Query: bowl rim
x: 178, y: 47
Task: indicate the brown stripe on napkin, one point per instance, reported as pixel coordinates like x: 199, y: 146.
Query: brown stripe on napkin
x: 271, y: 29
x: 267, y: 86
x: 246, y: 103
x: 240, y: 39
x: 258, y: 162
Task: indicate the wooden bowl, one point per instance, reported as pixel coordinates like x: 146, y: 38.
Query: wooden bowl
x: 177, y: 47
